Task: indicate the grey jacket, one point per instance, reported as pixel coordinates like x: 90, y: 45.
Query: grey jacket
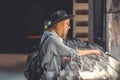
x: 54, y: 45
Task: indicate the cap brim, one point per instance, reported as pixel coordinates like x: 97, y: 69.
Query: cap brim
x: 60, y: 19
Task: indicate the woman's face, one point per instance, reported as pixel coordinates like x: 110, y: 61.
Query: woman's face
x: 66, y: 26
x: 62, y: 28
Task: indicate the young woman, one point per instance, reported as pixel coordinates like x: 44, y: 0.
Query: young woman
x: 54, y: 46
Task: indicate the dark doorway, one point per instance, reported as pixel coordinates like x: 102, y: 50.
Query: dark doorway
x: 22, y: 22
x: 99, y: 23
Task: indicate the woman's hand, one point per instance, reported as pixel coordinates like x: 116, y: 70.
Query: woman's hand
x: 86, y: 52
x: 97, y: 52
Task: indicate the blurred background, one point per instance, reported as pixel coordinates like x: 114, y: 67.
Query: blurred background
x: 22, y: 22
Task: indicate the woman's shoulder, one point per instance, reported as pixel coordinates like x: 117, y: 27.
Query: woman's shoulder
x: 53, y: 36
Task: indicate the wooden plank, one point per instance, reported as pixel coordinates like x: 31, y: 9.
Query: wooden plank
x: 80, y: 6
x: 81, y: 29
x: 81, y: 18
x: 83, y: 39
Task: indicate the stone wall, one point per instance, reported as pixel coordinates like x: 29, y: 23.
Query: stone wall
x: 113, y: 37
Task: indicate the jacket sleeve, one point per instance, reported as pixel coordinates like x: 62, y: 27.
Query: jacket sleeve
x: 62, y: 50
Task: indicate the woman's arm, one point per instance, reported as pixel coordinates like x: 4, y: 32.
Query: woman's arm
x: 86, y: 52
x: 64, y: 50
